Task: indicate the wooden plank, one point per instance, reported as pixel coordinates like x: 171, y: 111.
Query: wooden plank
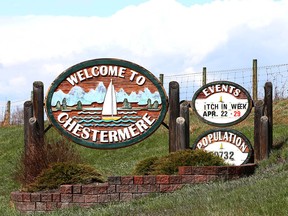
x: 264, y: 138
x: 269, y: 112
x: 180, y: 134
x: 258, y: 113
x: 174, y: 112
x: 28, y: 113
x: 38, y: 108
x: 184, y: 112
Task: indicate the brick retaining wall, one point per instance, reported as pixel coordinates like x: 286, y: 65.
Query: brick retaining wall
x: 124, y: 188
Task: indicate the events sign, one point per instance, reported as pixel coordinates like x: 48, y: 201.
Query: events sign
x: 222, y: 103
x: 231, y: 145
x: 106, y: 103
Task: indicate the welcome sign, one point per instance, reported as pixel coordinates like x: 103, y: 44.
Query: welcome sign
x: 106, y: 103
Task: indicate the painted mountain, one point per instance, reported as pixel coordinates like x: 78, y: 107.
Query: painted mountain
x: 97, y: 95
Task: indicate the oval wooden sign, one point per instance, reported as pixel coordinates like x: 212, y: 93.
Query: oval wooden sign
x: 222, y: 103
x: 231, y: 145
x: 106, y: 103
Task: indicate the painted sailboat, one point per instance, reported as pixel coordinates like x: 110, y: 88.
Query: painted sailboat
x: 109, y: 111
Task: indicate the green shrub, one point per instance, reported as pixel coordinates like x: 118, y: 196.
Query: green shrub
x: 145, y: 167
x: 65, y: 173
x: 169, y: 164
x: 52, y: 151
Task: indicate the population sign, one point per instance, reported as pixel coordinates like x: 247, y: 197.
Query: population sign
x: 231, y: 145
x: 106, y: 103
x: 222, y: 103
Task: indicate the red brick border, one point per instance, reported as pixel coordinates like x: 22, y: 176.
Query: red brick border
x: 124, y: 188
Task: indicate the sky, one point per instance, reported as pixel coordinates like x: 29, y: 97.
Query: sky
x: 40, y: 39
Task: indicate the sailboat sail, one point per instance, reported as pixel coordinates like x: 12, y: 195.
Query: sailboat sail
x: 110, y: 103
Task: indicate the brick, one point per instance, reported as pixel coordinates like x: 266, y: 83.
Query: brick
x: 132, y: 188
x: 138, y: 180
x: 78, y: 198
x: 111, y: 189
x: 26, y: 197
x: 66, y: 189
x: 77, y: 189
x: 143, y: 188
x: 184, y: 170
x: 154, y: 188
x: 66, y: 198
x: 104, y: 198
x: 16, y: 196
x: 91, y: 198
x: 170, y: 187
x: 88, y: 189
x: 27, y: 206
x: 175, y: 179
x: 122, y: 188
x: 115, y: 197
x: 149, y: 179
x: 114, y: 180
x: 100, y: 189
x: 41, y: 206
x: 200, y: 178
x: 221, y: 170
x: 56, y: 197
x: 162, y: 179
x: 35, y: 197
x: 51, y: 206
x: 188, y: 179
x: 126, y: 196
x: 46, y: 197
x: 127, y: 180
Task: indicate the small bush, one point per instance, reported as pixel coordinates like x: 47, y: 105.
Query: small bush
x: 145, y: 167
x: 169, y: 164
x: 65, y: 173
x: 38, y: 159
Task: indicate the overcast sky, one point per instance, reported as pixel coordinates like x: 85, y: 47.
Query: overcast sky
x: 40, y: 39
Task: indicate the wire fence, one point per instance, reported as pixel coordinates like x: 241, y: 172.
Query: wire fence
x: 190, y: 83
x: 277, y: 74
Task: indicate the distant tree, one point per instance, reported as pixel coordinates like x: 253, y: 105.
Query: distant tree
x: 155, y: 105
x: 79, y: 105
x: 58, y: 105
x: 149, y: 104
x: 17, y: 117
x: 126, y: 104
x: 64, y: 104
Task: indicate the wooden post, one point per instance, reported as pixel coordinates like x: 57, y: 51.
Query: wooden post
x: 255, y: 80
x: 264, y: 152
x: 28, y: 113
x: 161, y: 77
x: 174, y: 112
x: 204, y: 76
x: 38, y: 108
x: 269, y: 112
x: 184, y: 112
x: 180, y: 134
x: 6, y: 121
x: 258, y: 113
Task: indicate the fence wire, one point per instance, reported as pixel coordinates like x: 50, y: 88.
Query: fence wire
x: 277, y: 74
x: 190, y: 83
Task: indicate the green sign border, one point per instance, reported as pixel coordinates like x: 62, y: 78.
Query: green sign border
x: 194, y: 146
x: 250, y: 101
x: 107, y: 61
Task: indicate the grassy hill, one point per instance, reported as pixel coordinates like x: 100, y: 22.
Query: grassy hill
x: 265, y: 193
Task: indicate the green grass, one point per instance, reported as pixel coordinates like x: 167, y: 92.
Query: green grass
x: 265, y: 193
